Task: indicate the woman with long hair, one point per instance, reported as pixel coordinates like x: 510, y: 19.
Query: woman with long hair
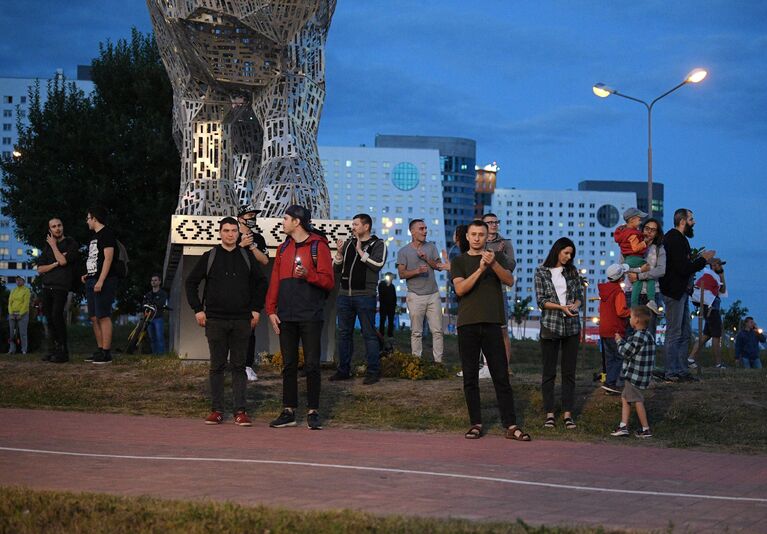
x: 558, y: 290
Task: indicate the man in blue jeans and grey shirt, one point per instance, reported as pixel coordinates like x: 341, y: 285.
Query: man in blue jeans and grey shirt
x: 358, y: 260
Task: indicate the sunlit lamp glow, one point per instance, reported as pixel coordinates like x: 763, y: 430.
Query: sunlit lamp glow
x: 601, y: 90
x: 696, y: 75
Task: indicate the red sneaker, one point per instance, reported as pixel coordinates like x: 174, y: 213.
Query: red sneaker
x: 215, y: 418
x: 242, y: 419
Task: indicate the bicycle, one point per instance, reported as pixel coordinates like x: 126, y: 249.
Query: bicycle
x: 139, y: 332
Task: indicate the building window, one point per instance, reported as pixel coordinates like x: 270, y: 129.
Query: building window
x: 7, y: 100
x: 405, y: 176
x: 607, y: 215
x: 7, y: 113
x: 6, y: 140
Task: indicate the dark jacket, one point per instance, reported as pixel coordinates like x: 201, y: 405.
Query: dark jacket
x: 387, y: 295
x: 747, y: 344
x: 679, y: 267
x: 612, y: 310
x: 61, y: 277
x: 300, y: 299
x: 359, y: 274
x: 232, y: 291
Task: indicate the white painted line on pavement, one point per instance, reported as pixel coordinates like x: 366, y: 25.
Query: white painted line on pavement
x: 391, y: 470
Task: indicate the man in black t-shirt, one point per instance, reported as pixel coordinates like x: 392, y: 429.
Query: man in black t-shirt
x: 156, y: 328
x: 479, y: 276
x: 101, y: 282
x: 56, y: 266
x: 256, y: 244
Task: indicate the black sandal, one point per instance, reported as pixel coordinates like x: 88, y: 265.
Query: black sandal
x: 475, y: 432
x: 516, y: 433
x: 549, y: 422
x: 570, y: 424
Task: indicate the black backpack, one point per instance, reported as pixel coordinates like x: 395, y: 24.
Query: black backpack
x: 212, y: 258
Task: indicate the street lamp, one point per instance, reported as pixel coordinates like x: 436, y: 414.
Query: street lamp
x: 603, y: 91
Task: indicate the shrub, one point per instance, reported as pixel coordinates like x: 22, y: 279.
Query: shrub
x: 403, y: 365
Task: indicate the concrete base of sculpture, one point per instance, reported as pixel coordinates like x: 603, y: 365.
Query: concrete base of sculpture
x: 191, y: 237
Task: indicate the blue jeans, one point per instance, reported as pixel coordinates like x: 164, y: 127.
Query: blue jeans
x: 348, y: 309
x: 613, y: 362
x: 677, y: 335
x: 157, y: 335
x: 751, y: 364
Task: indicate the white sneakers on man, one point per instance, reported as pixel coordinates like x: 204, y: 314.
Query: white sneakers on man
x: 484, y: 372
x: 252, y: 376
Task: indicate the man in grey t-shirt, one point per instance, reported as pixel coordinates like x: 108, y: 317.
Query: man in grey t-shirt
x: 501, y: 246
x: 416, y: 264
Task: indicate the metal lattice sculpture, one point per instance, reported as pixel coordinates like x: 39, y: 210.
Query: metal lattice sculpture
x: 248, y: 82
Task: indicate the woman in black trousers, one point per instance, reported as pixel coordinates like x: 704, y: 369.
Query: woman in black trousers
x: 558, y: 291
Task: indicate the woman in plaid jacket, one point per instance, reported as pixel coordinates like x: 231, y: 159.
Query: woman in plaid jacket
x: 558, y: 291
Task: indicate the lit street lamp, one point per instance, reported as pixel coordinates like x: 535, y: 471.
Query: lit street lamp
x: 603, y: 91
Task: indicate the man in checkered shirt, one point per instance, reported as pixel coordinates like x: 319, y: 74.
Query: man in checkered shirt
x: 638, y: 353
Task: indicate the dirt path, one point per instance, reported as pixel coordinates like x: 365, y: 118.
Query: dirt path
x: 542, y: 482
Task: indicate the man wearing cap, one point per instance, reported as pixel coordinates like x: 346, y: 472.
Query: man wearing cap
x: 676, y: 285
x: 302, y: 277
x: 712, y: 285
x: 613, y: 313
x: 230, y: 308
x: 253, y: 241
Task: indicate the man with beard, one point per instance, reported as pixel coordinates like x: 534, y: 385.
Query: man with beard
x: 675, y: 286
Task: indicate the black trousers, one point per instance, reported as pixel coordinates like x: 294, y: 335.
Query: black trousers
x: 250, y: 356
x: 386, y: 315
x: 309, y: 334
x: 487, y: 338
x: 227, y: 339
x: 54, y: 302
x: 550, y: 349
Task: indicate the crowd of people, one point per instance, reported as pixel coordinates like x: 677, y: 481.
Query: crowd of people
x: 481, y: 263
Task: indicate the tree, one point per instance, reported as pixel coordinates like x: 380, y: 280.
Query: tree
x: 521, y: 311
x: 113, y: 148
x: 733, y: 317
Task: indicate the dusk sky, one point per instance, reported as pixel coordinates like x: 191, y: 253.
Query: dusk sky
x: 517, y: 78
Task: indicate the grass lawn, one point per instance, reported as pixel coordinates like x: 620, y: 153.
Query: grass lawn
x: 25, y: 511
x: 717, y: 413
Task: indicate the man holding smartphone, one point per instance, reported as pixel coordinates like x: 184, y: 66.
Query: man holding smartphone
x: 56, y: 268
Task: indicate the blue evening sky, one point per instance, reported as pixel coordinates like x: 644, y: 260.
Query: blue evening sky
x: 517, y: 77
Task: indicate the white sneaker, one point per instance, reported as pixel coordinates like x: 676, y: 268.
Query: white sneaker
x: 484, y: 372
x: 252, y: 376
x: 654, y: 307
x: 459, y: 374
x: 691, y: 363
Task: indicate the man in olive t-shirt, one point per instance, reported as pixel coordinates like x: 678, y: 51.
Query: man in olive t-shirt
x: 479, y: 276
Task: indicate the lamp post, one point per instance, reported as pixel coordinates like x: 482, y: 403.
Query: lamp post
x: 602, y: 91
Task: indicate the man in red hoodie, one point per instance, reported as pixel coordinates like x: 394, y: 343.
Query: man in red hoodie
x: 612, y: 320
x: 302, y: 277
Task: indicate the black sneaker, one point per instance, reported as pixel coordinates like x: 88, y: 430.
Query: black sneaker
x: 286, y: 418
x: 102, y: 358
x: 48, y: 357
x: 94, y: 356
x: 370, y: 379
x: 688, y: 378
x: 60, y: 358
x: 313, y: 421
x: 339, y: 376
x: 643, y: 434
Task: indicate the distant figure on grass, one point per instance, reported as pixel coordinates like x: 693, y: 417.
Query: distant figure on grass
x: 416, y: 264
x: 358, y: 261
x: 479, y: 276
x: 101, y: 282
x: 638, y: 353
x: 501, y: 246
x: 230, y: 308
x: 559, y: 294
x: 302, y: 277
x: 613, y: 313
x: 747, y: 344
x: 57, y: 269
x: 633, y: 245
x: 675, y: 284
x: 159, y: 299
x: 711, y: 282
x: 387, y: 305
x: 18, y: 315
x: 255, y: 243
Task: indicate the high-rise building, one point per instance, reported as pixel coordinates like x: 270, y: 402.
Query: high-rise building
x: 393, y: 186
x: 639, y: 188
x: 534, y: 219
x: 458, y: 158
x: 16, y: 256
x: 485, y: 187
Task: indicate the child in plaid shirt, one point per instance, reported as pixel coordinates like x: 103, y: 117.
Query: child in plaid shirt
x: 638, y: 353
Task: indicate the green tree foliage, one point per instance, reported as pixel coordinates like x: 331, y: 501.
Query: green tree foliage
x: 733, y: 316
x: 112, y: 148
